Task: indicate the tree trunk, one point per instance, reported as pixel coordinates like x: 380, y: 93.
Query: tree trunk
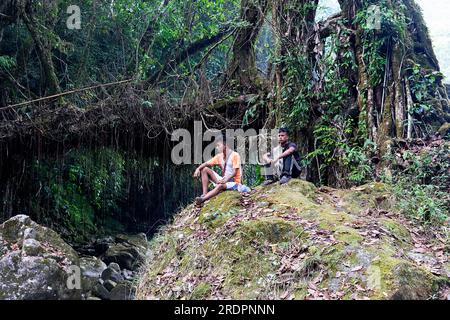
x: 386, y: 119
x: 242, y: 73
x: 294, y: 28
x: 41, y: 38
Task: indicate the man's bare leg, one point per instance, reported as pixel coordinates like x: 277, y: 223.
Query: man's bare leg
x: 207, y: 174
x: 214, y: 192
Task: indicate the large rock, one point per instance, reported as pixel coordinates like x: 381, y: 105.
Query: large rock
x: 123, y: 291
x: 35, y: 262
x: 294, y: 242
x: 91, y: 270
x: 129, y: 252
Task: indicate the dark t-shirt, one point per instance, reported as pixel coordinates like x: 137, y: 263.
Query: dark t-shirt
x: 296, y: 154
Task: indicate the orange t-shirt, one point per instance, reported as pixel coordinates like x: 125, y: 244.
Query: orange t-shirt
x: 233, y: 162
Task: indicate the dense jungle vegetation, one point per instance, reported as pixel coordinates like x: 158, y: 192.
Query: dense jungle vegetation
x: 87, y: 111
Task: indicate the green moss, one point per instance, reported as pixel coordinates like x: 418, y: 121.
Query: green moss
x: 333, y: 256
x: 389, y: 277
x: 372, y: 195
x: 240, y: 263
x: 397, y: 230
x: 167, y: 246
x: 273, y: 230
x: 413, y: 283
x: 329, y: 219
x: 201, y: 291
x: 248, y: 253
x: 347, y: 235
x: 220, y: 208
x: 380, y: 275
x: 291, y: 198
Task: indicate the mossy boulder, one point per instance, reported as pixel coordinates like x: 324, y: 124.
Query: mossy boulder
x: 375, y: 196
x: 288, y: 242
x: 274, y: 230
x: 35, y: 262
x: 396, y: 229
x: 219, y: 209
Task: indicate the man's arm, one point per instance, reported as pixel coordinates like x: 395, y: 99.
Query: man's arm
x: 200, y: 167
x: 288, y: 152
x: 266, y: 158
x: 228, y: 178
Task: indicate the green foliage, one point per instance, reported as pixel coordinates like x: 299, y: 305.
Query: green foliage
x: 83, y: 190
x: 355, y: 158
x: 423, y: 202
x: 376, y: 42
x: 7, y: 63
x: 423, y: 86
x: 422, y: 184
x: 297, y: 89
x: 332, y: 148
x: 118, y: 39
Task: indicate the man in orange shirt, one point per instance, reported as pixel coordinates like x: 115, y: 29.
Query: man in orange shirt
x: 230, y: 163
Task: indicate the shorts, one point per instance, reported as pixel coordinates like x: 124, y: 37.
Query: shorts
x: 232, y: 185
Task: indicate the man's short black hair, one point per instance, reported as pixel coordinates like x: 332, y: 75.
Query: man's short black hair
x: 285, y: 130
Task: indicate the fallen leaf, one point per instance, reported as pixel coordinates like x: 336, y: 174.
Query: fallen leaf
x: 358, y: 268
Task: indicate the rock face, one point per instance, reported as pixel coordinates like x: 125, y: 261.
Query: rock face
x: 91, y: 270
x: 129, y: 251
x: 34, y: 262
x: 295, y: 242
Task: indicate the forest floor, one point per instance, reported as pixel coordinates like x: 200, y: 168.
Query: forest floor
x: 298, y: 242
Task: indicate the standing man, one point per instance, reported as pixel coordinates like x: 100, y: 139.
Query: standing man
x: 230, y: 164
x: 283, y: 163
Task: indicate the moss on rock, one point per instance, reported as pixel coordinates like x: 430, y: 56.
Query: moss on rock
x: 348, y: 235
x: 396, y: 229
x: 273, y: 230
x: 374, y: 195
x: 290, y: 235
x: 201, y: 291
x: 219, y: 209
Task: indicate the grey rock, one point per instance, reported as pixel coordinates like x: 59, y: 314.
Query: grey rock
x: 130, y: 251
x: 31, y: 247
x: 29, y: 233
x: 138, y: 240
x: 109, y: 285
x: 91, y: 271
x: 114, y: 266
x: 100, y: 291
x: 123, y: 291
x: 110, y: 274
x: 38, y: 270
x: 92, y: 267
x: 127, y: 274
